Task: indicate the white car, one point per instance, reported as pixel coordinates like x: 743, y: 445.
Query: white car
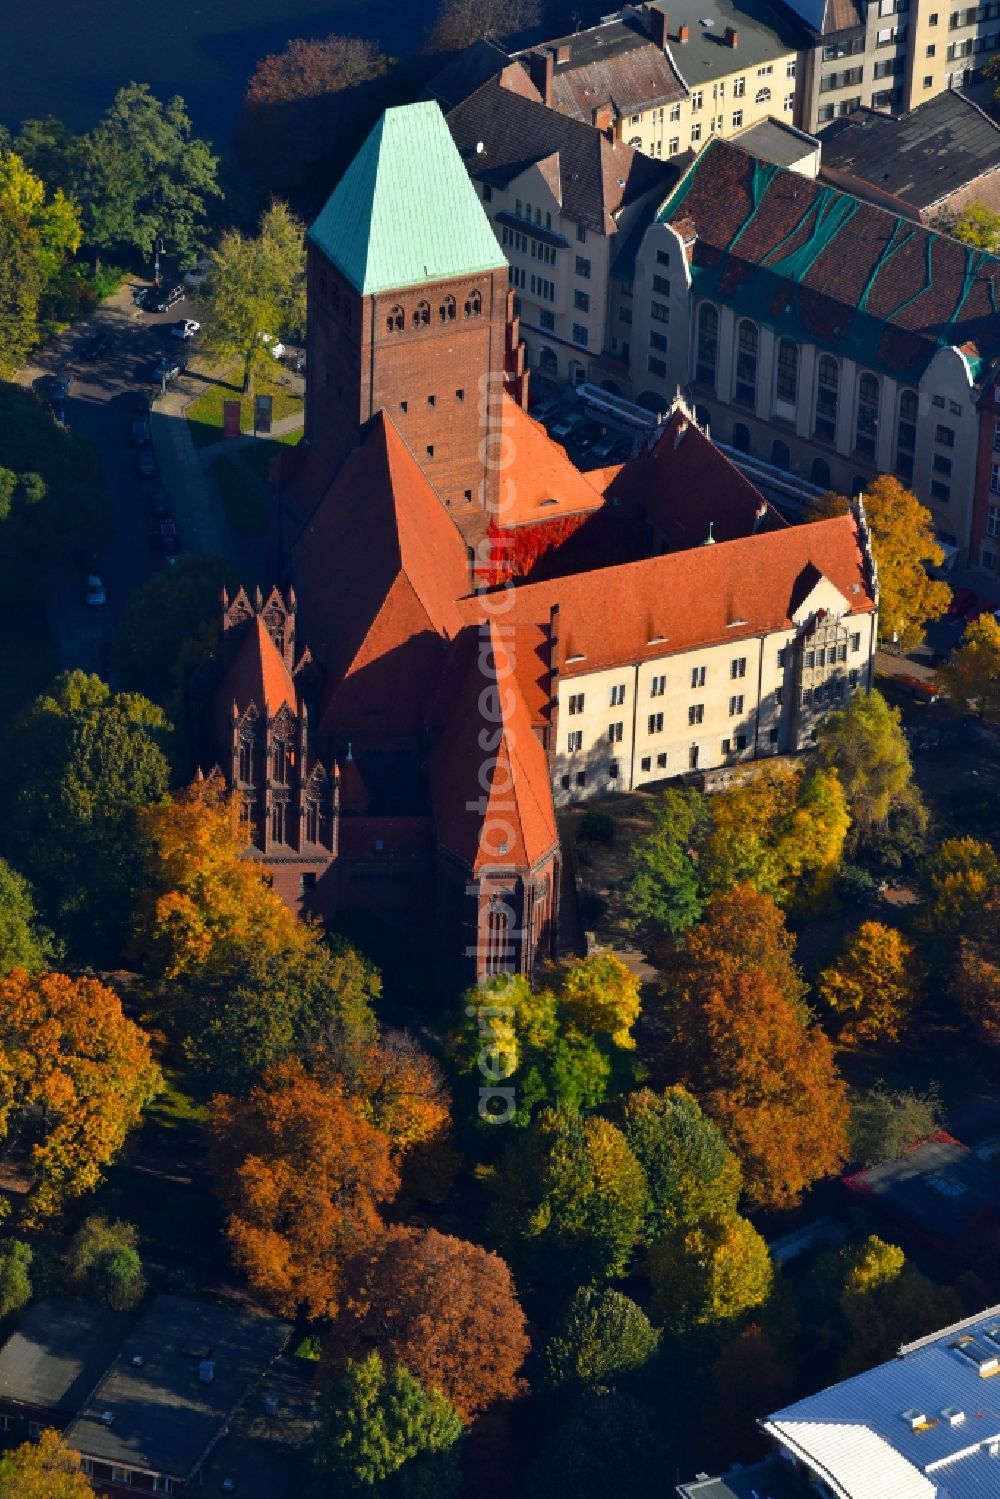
x: 186, y: 329
x: 198, y: 273
x: 94, y: 593
x: 273, y: 345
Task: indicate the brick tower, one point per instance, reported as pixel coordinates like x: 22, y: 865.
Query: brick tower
x: 410, y: 312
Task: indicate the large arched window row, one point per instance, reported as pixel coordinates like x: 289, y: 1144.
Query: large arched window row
x: 747, y: 347
x: 906, y: 433
x: 786, y: 385
x: 866, y: 429
x: 827, y: 398
x: 708, y: 344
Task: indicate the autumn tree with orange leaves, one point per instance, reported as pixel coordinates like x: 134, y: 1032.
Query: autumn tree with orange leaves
x: 72, y: 1063
x: 742, y: 1040
x: 303, y: 1175
x: 445, y: 1309
x: 205, y: 900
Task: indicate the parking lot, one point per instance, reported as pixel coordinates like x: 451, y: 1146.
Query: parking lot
x: 592, y: 438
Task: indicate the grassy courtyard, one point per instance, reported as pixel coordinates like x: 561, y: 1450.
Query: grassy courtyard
x: 205, y: 412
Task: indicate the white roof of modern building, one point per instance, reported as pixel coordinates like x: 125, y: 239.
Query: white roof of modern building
x: 924, y: 1425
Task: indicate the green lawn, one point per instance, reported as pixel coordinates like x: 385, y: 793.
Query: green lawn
x: 205, y: 412
x: 245, y: 510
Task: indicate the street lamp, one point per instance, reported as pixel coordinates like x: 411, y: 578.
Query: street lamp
x: 157, y: 252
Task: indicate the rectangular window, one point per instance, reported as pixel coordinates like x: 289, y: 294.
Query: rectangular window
x: 675, y: 114
x: 661, y: 760
x: 941, y: 464
x: 654, y: 723
x: 646, y: 764
x: 945, y: 436
x: 581, y: 301
x: 674, y: 145
x: 735, y: 704
x: 547, y: 320
x: 657, y: 686
x: 842, y: 653
x: 121, y: 1475
x: 659, y: 312
x: 807, y: 697
x: 853, y: 677
x: 580, y: 335
x: 657, y: 367
x: 576, y: 702
x: 696, y: 713
x: 663, y: 257
x: 6, y: 1424
x: 661, y: 285
x: 696, y: 98
x: 583, y: 267
x: 574, y: 741
x: 658, y: 341
x: 162, y: 1484
x: 618, y: 695
x: 739, y: 87
x: 810, y: 660
x: 737, y: 119
x: 777, y: 697
x: 993, y: 520
x: 738, y: 667
x: 695, y: 134
x: 616, y: 732
x: 697, y: 676
x: 741, y: 742
x: 581, y: 778
x: 940, y: 492
x: 856, y: 641
x: 989, y: 560
x: 727, y: 746
x: 581, y: 233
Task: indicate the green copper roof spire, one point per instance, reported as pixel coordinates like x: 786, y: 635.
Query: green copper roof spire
x: 405, y: 210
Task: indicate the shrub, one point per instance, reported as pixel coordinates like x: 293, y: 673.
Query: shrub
x: 597, y: 826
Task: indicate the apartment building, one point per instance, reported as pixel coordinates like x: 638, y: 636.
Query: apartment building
x: 666, y: 78
x: 984, y: 550
x: 562, y: 198
x: 823, y: 334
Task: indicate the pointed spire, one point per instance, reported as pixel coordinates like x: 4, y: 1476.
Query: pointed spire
x: 709, y: 539
x: 350, y: 754
x: 258, y: 598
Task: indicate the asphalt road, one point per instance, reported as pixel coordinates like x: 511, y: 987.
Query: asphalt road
x: 100, y: 406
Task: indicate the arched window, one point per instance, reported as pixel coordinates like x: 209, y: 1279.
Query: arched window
x: 906, y: 434
x: 498, y: 955
x: 278, y: 822
x: 741, y: 438
x: 527, y: 210
x: 866, y: 435
x: 708, y: 344
x: 246, y: 760
x: 780, y: 455
x: 396, y: 321
x: 636, y: 142
x: 548, y: 364
x: 763, y: 96
x: 421, y: 315
x: 279, y: 763
x: 827, y: 398
x: 446, y: 312
x: 821, y: 473
x: 747, y: 342
x: 538, y: 217
x: 474, y: 304
x: 312, y: 821
x: 787, y: 382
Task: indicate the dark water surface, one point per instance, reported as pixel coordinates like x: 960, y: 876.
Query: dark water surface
x: 68, y: 57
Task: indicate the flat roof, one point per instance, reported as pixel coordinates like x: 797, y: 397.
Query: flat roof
x: 265, y: 1455
x: 56, y: 1356
x: 773, y: 140
x: 921, y: 157
x: 941, y: 1188
x: 163, y: 1417
x: 772, y: 1479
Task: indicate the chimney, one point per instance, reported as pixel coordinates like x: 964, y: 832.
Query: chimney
x: 602, y: 118
x: 683, y: 34
x: 540, y: 69
x: 732, y: 37
x: 659, y: 26
x: 564, y: 52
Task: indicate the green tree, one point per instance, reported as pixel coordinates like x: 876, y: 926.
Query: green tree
x: 15, y: 1276
x: 978, y: 226
x: 690, y: 1171
x: 55, y: 219
x: 45, y: 1468
x: 885, y: 1301
x: 711, y: 1274
x: 169, y: 628
x: 664, y: 891
x: 21, y: 282
x: 82, y: 760
x: 973, y: 673
x: 103, y: 1264
x: 23, y: 944
x: 255, y: 290
x: 599, y: 1335
x: 381, y: 1425
x: 52, y: 495
x: 865, y: 744
x: 259, y: 1006
x: 570, y: 1198
x: 885, y: 1124
x: 146, y: 178
x: 610, y: 1443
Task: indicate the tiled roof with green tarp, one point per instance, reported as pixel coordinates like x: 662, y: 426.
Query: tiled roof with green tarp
x: 405, y: 211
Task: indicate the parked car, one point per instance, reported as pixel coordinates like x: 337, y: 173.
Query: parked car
x: 186, y: 329
x: 162, y: 298
x: 566, y: 426
x: 96, y: 345
x: 197, y: 274
x: 159, y: 504
x: 165, y: 535
x: 919, y: 688
x: 273, y: 345
x: 139, y: 431
x: 619, y: 452
x: 586, y: 434
x: 168, y: 368
x: 145, y: 462
x: 544, y: 411
x: 93, y: 591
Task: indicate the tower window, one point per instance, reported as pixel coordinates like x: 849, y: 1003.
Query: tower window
x: 396, y: 321
x: 432, y: 400
x: 430, y: 450
x: 404, y: 405
x: 446, y: 312
x: 474, y: 304
x: 460, y: 395
x: 421, y: 315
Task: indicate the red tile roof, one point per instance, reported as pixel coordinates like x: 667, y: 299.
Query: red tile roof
x: 378, y: 568
x: 257, y: 675
x: 543, y: 483
x: 682, y: 600
x: 684, y: 484
x: 493, y: 807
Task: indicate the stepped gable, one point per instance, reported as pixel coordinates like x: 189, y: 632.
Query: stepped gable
x: 684, y: 485
x: 378, y: 568
x: 405, y: 213
x: 679, y: 601
x: 492, y: 808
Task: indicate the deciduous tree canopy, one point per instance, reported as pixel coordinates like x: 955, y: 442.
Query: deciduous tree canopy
x: 445, y: 1309
x: 865, y: 744
x: 874, y: 984
x: 973, y: 673
x: 23, y: 944
x: 67, y: 1050
x: 957, y: 879
x: 45, y: 1468
x: 460, y: 22
x: 303, y: 1175
x: 600, y: 1334
x: 710, y: 1274
x: 691, y: 1173
x: 976, y: 976
x: 255, y: 290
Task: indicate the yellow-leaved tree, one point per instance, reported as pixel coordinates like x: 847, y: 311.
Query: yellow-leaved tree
x: 973, y: 673
x: 874, y: 984
x: 43, y: 1469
